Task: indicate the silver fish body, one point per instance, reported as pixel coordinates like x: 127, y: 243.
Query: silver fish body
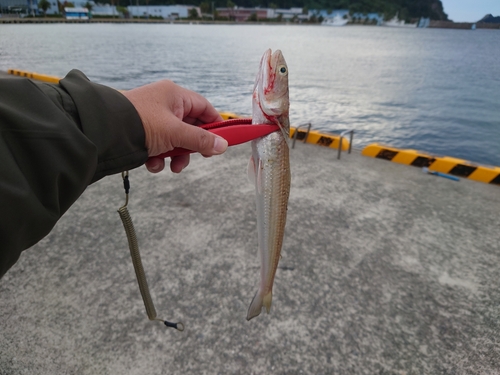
x: 269, y: 169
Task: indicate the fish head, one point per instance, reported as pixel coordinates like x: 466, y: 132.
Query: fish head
x: 270, y: 94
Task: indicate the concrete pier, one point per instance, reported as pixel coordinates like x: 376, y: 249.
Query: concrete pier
x: 384, y: 270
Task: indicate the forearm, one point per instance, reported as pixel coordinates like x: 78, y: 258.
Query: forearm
x: 110, y: 122
x: 54, y: 141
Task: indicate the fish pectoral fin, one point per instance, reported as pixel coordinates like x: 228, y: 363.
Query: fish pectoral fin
x: 260, y: 187
x: 286, y: 133
x: 251, y: 171
x: 255, y: 174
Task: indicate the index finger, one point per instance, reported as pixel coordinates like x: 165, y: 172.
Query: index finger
x: 198, y: 110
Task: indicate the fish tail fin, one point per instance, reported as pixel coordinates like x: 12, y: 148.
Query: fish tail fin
x: 255, y: 306
x: 268, y: 299
x: 258, y: 302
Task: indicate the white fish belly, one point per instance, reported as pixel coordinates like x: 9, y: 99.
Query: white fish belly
x: 272, y: 186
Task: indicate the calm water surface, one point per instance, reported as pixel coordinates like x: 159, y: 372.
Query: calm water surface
x: 429, y: 89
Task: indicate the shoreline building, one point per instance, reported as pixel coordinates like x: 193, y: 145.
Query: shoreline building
x: 325, y: 14
x: 242, y: 14
x: 19, y: 7
x: 104, y: 10
x: 76, y: 13
x: 167, y: 12
x: 373, y: 18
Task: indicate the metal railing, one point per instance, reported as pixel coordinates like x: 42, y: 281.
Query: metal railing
x: 351, y: 131
x: 297, y: 132
x: 342, y: 136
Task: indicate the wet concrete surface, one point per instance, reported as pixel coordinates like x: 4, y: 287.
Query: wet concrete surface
x: 385, y: 270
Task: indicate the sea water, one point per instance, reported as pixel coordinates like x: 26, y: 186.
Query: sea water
x: 435, y: 90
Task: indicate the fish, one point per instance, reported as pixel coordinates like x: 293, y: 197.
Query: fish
x: 269, y: 171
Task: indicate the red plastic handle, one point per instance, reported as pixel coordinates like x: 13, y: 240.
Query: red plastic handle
x: 235, y: 132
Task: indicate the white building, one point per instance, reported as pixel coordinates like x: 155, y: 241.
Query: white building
x: 164, y: 11
x: 104, y: 10
x: 329, y: 13
x: 97, y: 9
x: 76, y: 13
x: 288, y: 14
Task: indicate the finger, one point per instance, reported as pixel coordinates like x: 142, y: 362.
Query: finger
x: 197, y: 139
x: 178, y: 163
x: 198, y: 109
x: 155, y: 165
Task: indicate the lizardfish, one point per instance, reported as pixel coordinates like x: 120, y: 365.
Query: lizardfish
x: 269, y: 170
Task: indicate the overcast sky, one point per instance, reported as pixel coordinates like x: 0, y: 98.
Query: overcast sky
x: 470, y: 10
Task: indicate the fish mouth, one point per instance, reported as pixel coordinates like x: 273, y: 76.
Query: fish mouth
x: 265, y: 83
x: 263, y: 70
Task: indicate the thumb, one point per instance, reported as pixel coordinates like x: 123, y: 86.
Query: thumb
x: 197, y: 139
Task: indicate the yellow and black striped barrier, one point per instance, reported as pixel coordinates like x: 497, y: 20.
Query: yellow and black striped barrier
x: 320, y: 139
x: 229, y: 115
x: 443, y: 164
x: 313, y: 136
x: 37, y: 76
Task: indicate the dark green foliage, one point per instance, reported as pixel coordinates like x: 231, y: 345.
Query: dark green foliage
x: 406, y: 9
x: 193, y: 14
x: 44, y: 5
x: 252, y: 18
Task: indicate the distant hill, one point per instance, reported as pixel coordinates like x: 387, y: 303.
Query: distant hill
x: 406, y: 9
x: 489, y: 19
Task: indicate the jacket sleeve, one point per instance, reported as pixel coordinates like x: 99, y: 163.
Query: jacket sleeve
x: 55, y: 140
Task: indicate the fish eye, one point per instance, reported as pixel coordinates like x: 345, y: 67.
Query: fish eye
x: 283, y: 70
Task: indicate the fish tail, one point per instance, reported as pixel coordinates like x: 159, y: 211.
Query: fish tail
x: 258, y: 302
x: 268, y: 298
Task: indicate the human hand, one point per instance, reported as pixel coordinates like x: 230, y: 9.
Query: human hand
x: 168, y: 113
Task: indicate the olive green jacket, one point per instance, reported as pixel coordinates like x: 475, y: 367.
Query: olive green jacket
x: 55, y: 140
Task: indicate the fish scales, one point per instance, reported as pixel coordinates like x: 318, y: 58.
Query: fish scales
x: 269, y: 169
